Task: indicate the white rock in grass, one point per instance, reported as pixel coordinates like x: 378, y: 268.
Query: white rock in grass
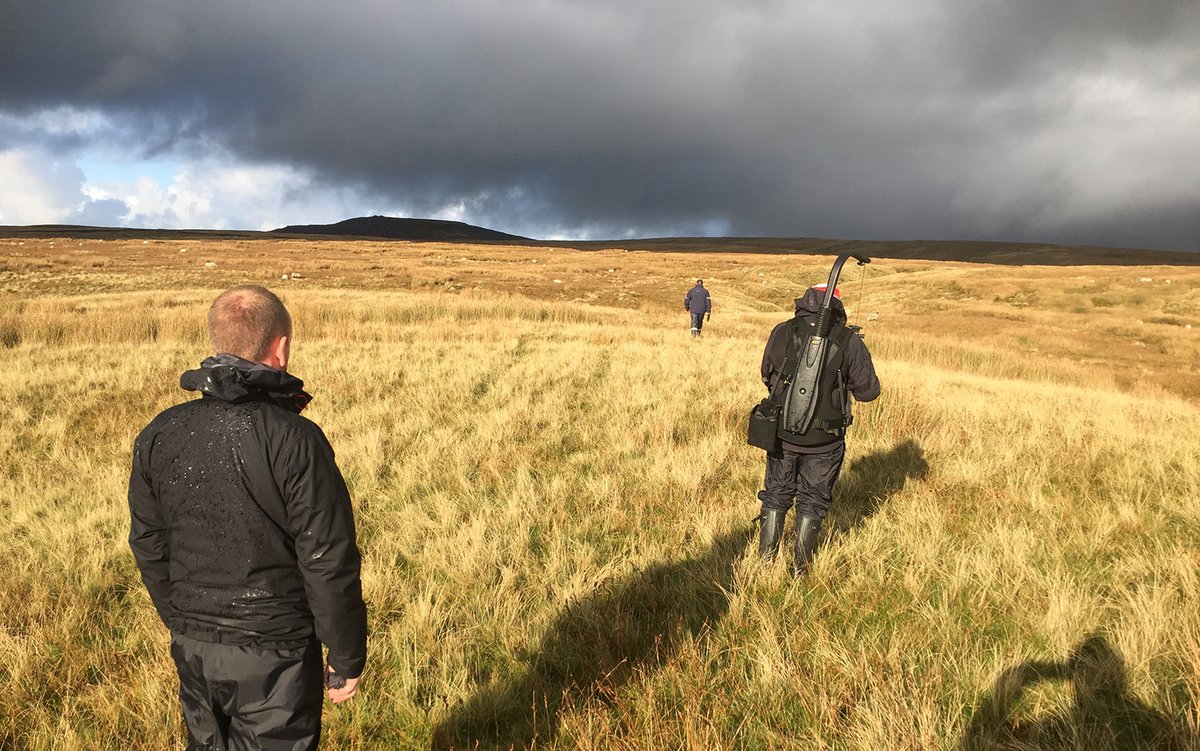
x: 283, y: 278
x: 558, y: 281
x: 210, y: 264
x: 1146, y: 279
x: 296, y: 275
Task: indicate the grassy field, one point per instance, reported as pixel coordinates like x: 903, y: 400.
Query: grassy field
x: 554, y: 498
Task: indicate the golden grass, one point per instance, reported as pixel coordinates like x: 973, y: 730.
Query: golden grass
x: 554, y: 500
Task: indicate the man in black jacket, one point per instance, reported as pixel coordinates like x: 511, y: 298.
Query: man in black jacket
x: 805, y: 467
x: 243, y: 531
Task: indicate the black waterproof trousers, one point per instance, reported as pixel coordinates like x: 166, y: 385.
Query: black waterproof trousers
x: 806, y: 478
x: 238, y: 698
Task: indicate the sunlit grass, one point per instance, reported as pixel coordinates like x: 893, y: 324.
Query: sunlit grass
x: 554, y: 503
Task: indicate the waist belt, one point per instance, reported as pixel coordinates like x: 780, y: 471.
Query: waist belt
x: 840, y: 423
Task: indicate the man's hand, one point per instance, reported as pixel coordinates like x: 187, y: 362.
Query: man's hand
x: 339, y: 689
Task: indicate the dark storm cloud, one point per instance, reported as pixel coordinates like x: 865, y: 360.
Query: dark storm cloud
x: 1029, y: 120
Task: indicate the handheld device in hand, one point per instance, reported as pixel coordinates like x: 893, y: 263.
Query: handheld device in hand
x: 333, y: 680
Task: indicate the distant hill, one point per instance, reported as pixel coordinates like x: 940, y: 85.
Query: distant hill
x: 380, y: 228
x: 395, y: 228
x: 83, y: 232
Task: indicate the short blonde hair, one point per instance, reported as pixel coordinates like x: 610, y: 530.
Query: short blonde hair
x: 244, y: 320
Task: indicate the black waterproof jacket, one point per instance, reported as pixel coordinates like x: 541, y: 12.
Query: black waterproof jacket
x: 241, y: 523
x: 860, y: 371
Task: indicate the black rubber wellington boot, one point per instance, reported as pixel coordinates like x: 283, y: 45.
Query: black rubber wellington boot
x: 807, y: 530
x: 770, y: 531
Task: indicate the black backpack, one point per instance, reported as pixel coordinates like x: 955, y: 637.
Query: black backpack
x: 832, y: 414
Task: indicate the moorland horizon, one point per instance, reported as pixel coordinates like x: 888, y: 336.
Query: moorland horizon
x: 415, y: 229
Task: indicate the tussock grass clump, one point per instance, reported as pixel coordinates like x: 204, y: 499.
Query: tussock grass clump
x: 554, y: 503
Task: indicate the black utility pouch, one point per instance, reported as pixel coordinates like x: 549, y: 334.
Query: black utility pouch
x: 763, y: 431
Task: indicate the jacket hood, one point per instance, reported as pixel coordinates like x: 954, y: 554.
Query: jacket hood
x: 810, y: 305
x: 232, y: 379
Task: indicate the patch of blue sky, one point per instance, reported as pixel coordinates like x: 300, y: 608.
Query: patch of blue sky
x: 101, y: 165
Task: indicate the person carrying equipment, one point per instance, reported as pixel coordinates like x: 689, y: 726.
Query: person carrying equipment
x: 812, y: 364
x: 698, y: 302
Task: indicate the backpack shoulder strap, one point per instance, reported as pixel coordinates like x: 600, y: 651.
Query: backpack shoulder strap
x: 791, y: 347
x: 841, y: 335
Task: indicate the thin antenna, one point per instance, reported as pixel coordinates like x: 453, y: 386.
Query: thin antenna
x: 861, y: 279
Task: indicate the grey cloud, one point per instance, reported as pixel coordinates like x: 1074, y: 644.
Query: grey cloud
x: 857, y: 119
x: 106, y: 212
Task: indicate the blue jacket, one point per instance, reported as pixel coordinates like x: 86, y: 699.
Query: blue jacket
x: 697, y: 300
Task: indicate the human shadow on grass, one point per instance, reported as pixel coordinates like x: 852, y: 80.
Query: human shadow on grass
x: 871, y: 480
x: 1104, y: 714
x: 596, y: 645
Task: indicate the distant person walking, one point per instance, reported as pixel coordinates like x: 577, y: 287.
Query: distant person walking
x: 243, y: 531
x: 804, y: 467
x: 698, y: 302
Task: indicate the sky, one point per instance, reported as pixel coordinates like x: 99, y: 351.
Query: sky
x: 1058, y: 121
